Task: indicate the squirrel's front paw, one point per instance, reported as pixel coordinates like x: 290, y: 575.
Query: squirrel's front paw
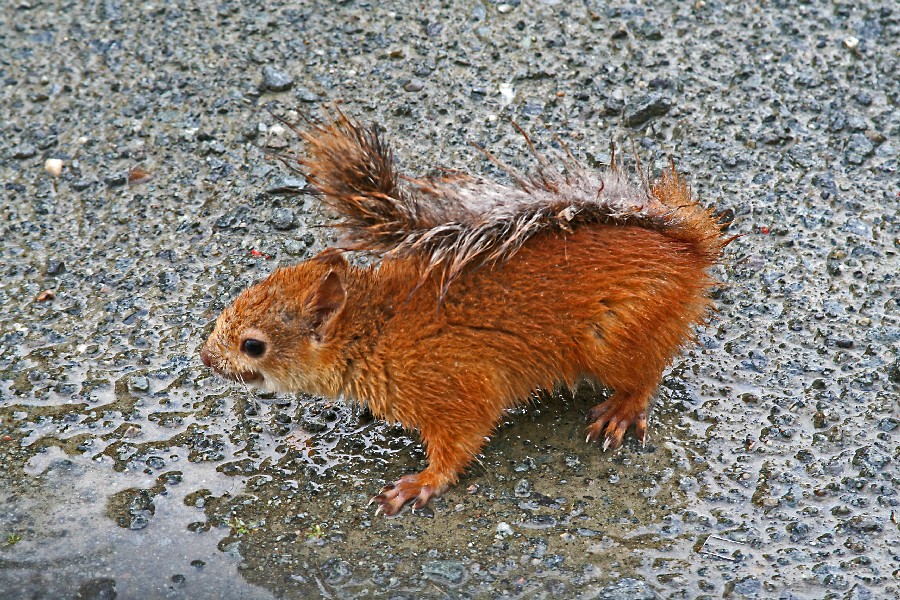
x: 406, y: 489
x: 613, y: 418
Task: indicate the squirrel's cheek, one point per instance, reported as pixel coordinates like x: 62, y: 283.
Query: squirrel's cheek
x: 288, y: 375
x: 273, y: 384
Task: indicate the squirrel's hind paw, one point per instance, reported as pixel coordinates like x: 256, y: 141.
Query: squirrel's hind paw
x: 612, y: 419
x: 408, y: 488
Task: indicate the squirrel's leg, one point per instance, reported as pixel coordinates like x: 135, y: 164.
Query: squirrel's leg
x: 451, y: 444
x: 613, y: 418
x: 633, y: 343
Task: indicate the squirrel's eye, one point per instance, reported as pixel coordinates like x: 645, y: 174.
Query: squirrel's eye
x: 254, y: 348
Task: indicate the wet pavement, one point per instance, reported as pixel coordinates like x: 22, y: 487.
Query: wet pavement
x: 127, y: 470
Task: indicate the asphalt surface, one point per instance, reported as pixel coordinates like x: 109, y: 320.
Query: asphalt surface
x: 127, y: 470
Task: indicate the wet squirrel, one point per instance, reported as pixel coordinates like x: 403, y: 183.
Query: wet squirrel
x: 484, y: 293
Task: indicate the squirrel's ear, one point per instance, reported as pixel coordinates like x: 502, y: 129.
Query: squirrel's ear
x: 332, y: 257
x: 325, y: 301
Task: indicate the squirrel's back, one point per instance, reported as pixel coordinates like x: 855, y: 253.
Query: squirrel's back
x: 458, y: 220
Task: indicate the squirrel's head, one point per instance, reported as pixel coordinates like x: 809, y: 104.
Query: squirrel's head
x: 276, y: 335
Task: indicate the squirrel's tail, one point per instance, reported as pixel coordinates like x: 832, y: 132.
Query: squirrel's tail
x: 457, y: 221
x: 352, y: 168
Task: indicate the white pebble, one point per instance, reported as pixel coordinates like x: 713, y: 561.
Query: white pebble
x: 53, y: 166
x: 504, y: 530
x: 507, y: 92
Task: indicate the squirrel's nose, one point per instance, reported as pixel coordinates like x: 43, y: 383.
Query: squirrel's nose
x: 204, y: 356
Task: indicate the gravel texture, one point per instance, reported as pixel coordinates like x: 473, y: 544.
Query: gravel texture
x: 127, y: 470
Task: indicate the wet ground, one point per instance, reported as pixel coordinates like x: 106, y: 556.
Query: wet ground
x: 128, y: 471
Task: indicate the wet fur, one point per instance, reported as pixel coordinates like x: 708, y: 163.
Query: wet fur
x: 459, y: 220
x: 485, y: 294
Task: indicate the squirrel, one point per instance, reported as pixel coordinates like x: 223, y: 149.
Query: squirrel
x: 484, y: 294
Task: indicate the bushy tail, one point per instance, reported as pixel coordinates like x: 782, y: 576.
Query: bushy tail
x: 352, y: 169
x: 456, y: 221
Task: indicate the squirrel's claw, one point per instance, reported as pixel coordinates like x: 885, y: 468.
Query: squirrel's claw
x: 408, y: 488
x: 640, y: 430
x: 606, y: 443
x: 611, y: 419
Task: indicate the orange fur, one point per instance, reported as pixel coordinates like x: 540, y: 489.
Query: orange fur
x: 607, y: 301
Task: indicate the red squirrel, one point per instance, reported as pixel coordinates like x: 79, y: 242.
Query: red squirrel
x: 484, y: 294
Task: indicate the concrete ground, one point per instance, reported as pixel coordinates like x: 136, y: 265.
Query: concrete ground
x: 128, y: 470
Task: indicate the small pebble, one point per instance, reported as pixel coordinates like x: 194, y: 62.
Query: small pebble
x: 116, y: 180
x: 275, y: 80
x: 650, y: 31
x: 448, y: 572
x: 646, y: 107
x: 55, y: 267
x: 306, y: 95
x: 82, y: 184
x: 53, y: 166
x: 858, y: 148
x: 523, y: 488
x: 415, y: 85
x: 24, y: 151
x: 504, y: 529
x: 295, y: 248
x: 283, y: 219
x: 140, y: 384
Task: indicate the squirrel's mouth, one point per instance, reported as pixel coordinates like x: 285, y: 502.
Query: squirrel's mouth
x: 248, y: 377
x: 212, y: 360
